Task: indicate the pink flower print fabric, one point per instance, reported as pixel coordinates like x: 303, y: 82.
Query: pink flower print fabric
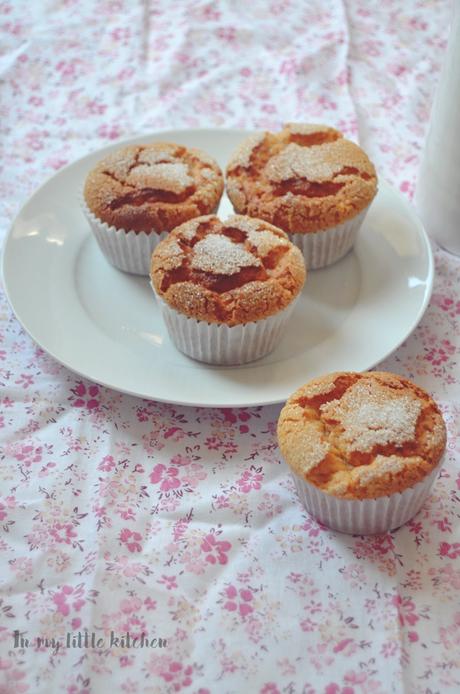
x: 164, y: 548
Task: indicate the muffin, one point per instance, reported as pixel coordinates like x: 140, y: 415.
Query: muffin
x: 307, y: 180
x: 136, y: 195
x: 226, y: 289
x: 364, y: 449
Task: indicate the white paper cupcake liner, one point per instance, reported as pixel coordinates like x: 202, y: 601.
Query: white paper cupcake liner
x: 321, y: 248
x: 220, y: 344
x: 365, y: 516
x: 126, y: 250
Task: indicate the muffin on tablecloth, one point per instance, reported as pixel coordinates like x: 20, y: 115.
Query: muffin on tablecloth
x: 308, y: 180
x: 364, y: 449
x: 226, y: 289
x: 136, y: 195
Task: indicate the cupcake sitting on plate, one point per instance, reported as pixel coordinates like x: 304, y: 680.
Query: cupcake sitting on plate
x: 226, y: 290
x: 136, y: 195
x: 308, y: 180
x: 364, y: 449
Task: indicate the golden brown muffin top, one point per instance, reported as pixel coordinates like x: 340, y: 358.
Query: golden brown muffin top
x: 153, y: 188
x: 235, y: 272
x: 305, y: 178
x: 361, y: 435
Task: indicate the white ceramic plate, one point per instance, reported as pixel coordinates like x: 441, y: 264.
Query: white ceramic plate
x: 104, y: 324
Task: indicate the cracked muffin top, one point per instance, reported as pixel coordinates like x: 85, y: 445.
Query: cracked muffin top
x: 153, y: 188
x: 361, y: 435
x: 303, y: 179
x: 235, y: 272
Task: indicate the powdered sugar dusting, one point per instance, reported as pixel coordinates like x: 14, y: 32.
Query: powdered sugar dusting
x: 372, y: 414
x: 155, y: 166
x: 242, y: 156
x: 321, y: 387
x: 157, y: 155
x: 242, y: 222
x: 219, y: 255
x: 310, y: 129
x: 382, y: 465
x: 309, y: 446
x: 171, y: 177
x: 317, y: 163
x: 174, y: 256
x: 189, y: 229
x: 265, y: 241
x: 296, y: 161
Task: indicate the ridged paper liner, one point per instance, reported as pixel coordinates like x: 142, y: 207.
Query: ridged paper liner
x: 215, y: 343
x: 321, y: 248
x: 365, y: 516
x: 126, y: 250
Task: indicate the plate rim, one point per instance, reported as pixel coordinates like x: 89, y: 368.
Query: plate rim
x: 421, y: 232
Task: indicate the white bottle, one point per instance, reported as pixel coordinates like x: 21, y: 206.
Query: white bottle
x: 438, y: 189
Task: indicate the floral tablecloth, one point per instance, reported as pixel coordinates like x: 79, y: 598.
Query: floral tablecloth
x: 120, y: 515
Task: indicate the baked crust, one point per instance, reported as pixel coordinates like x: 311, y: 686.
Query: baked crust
x: 153, y: 188
x: 361, y: 435
x: 306, y: 178
x: 235, y: 272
